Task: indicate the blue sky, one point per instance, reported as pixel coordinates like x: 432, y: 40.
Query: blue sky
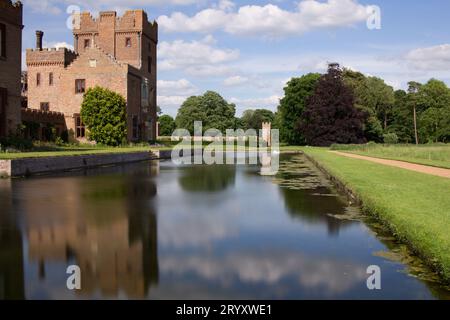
x: 247, y: 50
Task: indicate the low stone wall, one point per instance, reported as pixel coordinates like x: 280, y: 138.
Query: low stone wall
x: 163, y: 154
x: 44, y: 165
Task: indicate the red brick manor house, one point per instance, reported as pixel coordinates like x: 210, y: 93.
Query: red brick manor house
x: 111, y: 51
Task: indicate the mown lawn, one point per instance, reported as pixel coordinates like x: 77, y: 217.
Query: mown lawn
x: 73, y: 151
x: 433, y: 155
x: 415, y: 206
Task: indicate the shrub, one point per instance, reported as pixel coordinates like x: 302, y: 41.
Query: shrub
x: 390, y: 138
x: 104, y: 114
x: 15, y: 142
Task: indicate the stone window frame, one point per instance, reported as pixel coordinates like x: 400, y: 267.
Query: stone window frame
x: 50, y: 79
x: 87, y: 43
x: 80, y: 86
x: 80, y: 128
x: 38, y: 79
x: 128, y: 42
x: 44, y: 106
x: 2, y: 41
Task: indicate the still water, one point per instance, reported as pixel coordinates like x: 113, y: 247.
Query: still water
x: 160, y: 231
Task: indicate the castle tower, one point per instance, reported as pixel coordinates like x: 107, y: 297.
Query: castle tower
x: 266, y: 133
x: 129, y: 39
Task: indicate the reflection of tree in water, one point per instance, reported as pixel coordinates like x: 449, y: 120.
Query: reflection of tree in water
x: 205, y: 178
x: 307, y: 194
x: 11, y: 249
x: 315, y: 208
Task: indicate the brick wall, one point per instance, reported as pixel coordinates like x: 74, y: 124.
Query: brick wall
x: 108, y: 63
x: 11, y: 18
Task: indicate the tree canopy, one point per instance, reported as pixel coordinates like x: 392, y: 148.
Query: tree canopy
x: 210, y: 108
x: 166, y: 125
x: 292, y: 105
x: 104, y: 114
x: 376, y: 98
x: 330, y: 115
x: 253, y: 119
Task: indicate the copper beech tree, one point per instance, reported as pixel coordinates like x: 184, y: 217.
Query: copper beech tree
x: 330, y: 115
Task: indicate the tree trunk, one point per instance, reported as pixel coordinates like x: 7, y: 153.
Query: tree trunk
x: 415, y: 126
x: 385, y: 122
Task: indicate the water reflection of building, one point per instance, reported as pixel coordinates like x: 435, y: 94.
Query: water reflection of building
x: 116, y: 248
x: 11, y: 248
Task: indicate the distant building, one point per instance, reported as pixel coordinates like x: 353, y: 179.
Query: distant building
x: 118, y: 53
x: 10, y: 65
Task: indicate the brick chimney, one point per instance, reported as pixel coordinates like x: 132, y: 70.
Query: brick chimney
x: 39, y: 37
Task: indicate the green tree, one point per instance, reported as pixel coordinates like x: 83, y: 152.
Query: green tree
x: 376, y: 98
x: 210, y: 108
x: 330, y: 115
x: 166, y: 125
x: 402, y: 123
x: 413, y: 98
x: 104, y: 114
x: 292, y: 105
x: 433, y: 103
x: 253, y: 119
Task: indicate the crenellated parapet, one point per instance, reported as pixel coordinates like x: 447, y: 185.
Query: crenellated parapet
x: 130, y: 21
x: 51, y: 56
x: 11, y: 12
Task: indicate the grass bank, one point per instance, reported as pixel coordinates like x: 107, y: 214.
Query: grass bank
x: 73, y: 151
x: 415, y: 206
x: 437, y: 155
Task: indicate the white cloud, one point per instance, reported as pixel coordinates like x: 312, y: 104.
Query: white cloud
x: 180, y: 87
x: 196, y: 57
x: 430, y: 58
x: 235, y: 81
x: 264, y: 102
x: 264, y: 270
x: 60, y: 45
x: 43, y: 6
x: 170, y: 104
x: 269, y: 20
x: 59, y: 6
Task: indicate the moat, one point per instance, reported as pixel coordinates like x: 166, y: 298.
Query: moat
x: 155, y: 230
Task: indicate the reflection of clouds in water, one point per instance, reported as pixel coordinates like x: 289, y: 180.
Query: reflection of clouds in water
x: 187, y: 229
x: 331, y: 276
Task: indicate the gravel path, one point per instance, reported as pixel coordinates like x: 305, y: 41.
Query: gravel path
x: 440, y: 172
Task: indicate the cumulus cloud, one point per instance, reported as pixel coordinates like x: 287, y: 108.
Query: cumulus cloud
x: 178, y: 87
x: 264, y: 102
x: 430, y: 58
x: 269, y: 20
x: 59, y: 45
x: 332, y: 276
x: 196, y: 57
x: 235, y: 81
x: 43, y: 6
x: 59, y: 6
x: 171, y: 101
